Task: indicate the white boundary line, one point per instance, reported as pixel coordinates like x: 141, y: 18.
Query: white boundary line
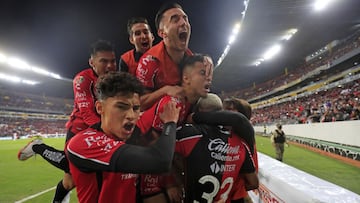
x: 35, y: 195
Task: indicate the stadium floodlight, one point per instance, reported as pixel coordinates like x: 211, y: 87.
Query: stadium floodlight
x: 232, y: 39
x: 320, y: 5
x: 289, y: 34
x: 17, y: 63
x: 16, y: 79
x: 3, y: 58
x: 10, y: 78
x: 235, y: 31
x: 54, y: 75
x: 272, y: 51
x: 29, y: 82
x: 40, y: 70
x: 23, y: 65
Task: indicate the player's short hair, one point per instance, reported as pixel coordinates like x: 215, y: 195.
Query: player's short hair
x: 240, y: 105
x: 279, y: 126
x: 101, y: 45
x: 189, y: 61
x: 162, y: 10
x: 211, y: 102
x: 117, y: 84
x: 134, y: 20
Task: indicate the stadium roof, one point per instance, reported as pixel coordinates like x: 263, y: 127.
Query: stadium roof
x: 56, y: 35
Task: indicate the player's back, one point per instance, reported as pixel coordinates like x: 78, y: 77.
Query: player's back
x: 213, y: 161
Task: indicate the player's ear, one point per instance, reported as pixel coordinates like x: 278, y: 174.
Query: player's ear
x: 98, y: 106
x: 185, y: 77
x: 131, y: 40
x: 91, y: 62
x: 162, y: 33
x: 152, y: 37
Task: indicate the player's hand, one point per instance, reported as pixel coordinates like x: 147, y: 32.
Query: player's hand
x: 170, y: 113
x: 175, y: 194
x: 220, y: 201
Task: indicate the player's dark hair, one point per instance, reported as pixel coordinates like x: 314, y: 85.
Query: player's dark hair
x: 117, y: 84
x: 240, y: 105
x: 134, y: 20
x: 189, y: 61
x: 101, y: 45
x: 162, y: 10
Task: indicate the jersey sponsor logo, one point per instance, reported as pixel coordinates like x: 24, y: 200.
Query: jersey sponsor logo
x: 151, y: 183
x: 219, y: 150
x: 218, y: 145
x: 141, y: 71
x: 84, y: 104
x: 80, y: 96
x: 221, y: 157
x: 102, y: 141
x: 220, y: 168
x: 128, y: 176
x: 78, y: 81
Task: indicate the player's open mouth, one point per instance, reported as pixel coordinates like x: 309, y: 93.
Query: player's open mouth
x: 183, y: 36
x: 129, y: 126
x: 145, y: 44
x: 207, y: 87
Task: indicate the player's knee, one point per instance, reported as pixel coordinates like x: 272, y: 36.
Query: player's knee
x: 68, y: 182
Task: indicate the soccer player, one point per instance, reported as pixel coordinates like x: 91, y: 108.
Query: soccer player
x: 242, y: 106
x: 214, y: 156
x: 102, y: 60
x: 196, y: 81
x: 158, y: 68
x: 103, y: 166
x: 141, y: 37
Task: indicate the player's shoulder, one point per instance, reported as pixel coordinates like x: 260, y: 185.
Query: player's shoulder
x: 148, y: 58
x: 188, y: 130
x: 83, y: 75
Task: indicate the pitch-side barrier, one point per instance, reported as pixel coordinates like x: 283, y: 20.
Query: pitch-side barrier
x: 282, y: 183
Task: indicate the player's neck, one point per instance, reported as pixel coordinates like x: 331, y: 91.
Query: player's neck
x: 191, y: 96
x: 175, y: 54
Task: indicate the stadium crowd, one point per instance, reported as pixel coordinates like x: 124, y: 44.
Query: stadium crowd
x: 30, y: 127
x: 337, y: 104
x: 24, y: 114
x: 326, y: 58
x: 20, y: 101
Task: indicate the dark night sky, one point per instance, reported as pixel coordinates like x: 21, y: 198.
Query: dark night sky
x: 56, y: 34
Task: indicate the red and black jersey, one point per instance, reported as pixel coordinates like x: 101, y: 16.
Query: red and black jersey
x: 153, y: 184
x: 129, y: 61
x: 104, y: 167
x: 239, y: 188
x: 213, y: 161
x: 151, y: 117
x: 84, y: 113
x: 156, y: 69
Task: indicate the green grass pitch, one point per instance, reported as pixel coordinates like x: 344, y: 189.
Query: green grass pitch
x: 21, y: 179
x: 326, y: 168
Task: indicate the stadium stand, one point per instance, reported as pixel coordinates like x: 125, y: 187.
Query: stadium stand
x: 324, y: 89
x: 24, y: 114
x: 339, y: 52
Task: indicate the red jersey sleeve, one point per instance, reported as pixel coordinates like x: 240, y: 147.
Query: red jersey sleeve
x: 146, y: 71
x: 85, y: 99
